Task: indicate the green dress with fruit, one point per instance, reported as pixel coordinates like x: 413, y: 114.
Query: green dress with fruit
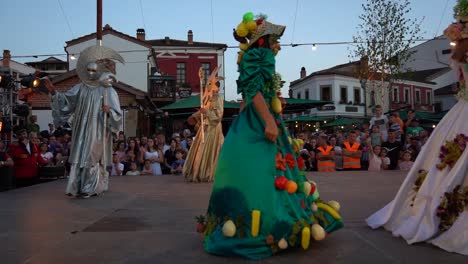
x: 262, y: 202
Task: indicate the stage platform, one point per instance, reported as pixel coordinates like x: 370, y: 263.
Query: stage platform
x: 150, y: 219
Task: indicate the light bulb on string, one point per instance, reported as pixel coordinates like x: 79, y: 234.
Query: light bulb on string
x: 72, y: 57
x: 314, y: 47
x: 453, y: 43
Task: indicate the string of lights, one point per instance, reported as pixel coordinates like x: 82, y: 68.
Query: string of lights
x: 313, y: 44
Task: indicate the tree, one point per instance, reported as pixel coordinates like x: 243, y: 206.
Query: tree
x: 383, y: 42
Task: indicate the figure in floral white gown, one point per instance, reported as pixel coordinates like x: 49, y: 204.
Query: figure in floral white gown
x: 432, y: 203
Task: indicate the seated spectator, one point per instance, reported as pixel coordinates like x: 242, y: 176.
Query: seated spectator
x: 178, y: 164
x: 405, y: 163
x: 130, y: 157
x: 147, y: 169
x: 117, y: 167
x: 133, y: 170
x: 46, y: 155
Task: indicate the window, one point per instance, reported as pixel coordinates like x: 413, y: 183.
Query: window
x: 206, y: 67
x: 395, y: 95
x: 428, y: 97
x: 298, y: 95
x: 325, y: 93
x: 372, y: 98
x: 181, y: 71
x: 343, y: 94
x: 406, y: 97
x: 357, y: 95
x: 417, y: 96
x: 307, y: 96
x: 446, y: 51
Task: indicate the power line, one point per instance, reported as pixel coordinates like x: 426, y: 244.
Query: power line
x: 66, y: 18
x: 229, y: 47
x: 212, y: 23
x: 441, y: 18
x: 294, y: 23
x: 142, y: 16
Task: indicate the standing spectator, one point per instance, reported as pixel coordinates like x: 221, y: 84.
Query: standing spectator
x: 405, y: 163
x: 375, y: 161
x: 142, y: 149
x: 393, y: 148
x: 338, y: 153
x: 156, y: 157
x: 365, y: 152
x: 325, y: 155
x: 352, y: 153
x: 395, y: 126
x: 376, y: 136
x: 161, y: 139
x: 189, y: 143
x: 120, y: 150
x: 51, y: 129
x: 423, y: 137
x: 385, y: 159
x: 311, y: 147
x: 26, y: 158
x: 6, y: 169
x: 32, y: 126
x: 187, y: 134
x: 380, y: 120
x: 169, y: 157
x: 410, y: 116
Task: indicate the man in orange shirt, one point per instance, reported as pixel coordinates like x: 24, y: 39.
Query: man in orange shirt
x: 325, y: 155
x: 352, y: 152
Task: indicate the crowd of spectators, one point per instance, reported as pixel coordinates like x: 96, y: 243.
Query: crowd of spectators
x: 385, y: 143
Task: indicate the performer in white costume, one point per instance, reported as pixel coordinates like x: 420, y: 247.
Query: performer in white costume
x: 92, y: 108
x: 432, y: 203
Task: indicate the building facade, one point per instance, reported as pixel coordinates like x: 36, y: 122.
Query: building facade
x: 51, y: 66
x: 179, y: 61
x: 336, y: 85
x: 138, y: 55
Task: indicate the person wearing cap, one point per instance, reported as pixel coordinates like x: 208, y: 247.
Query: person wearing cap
x: 352, y: 152
x: 414, y: 128
x: 259, y: 184
x: 26, y: 157
x: 325, y: 155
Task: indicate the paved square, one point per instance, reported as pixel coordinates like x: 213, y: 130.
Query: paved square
x: 151, y: 220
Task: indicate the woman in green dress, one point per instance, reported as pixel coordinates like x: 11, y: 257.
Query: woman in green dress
x: 262, y: 202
